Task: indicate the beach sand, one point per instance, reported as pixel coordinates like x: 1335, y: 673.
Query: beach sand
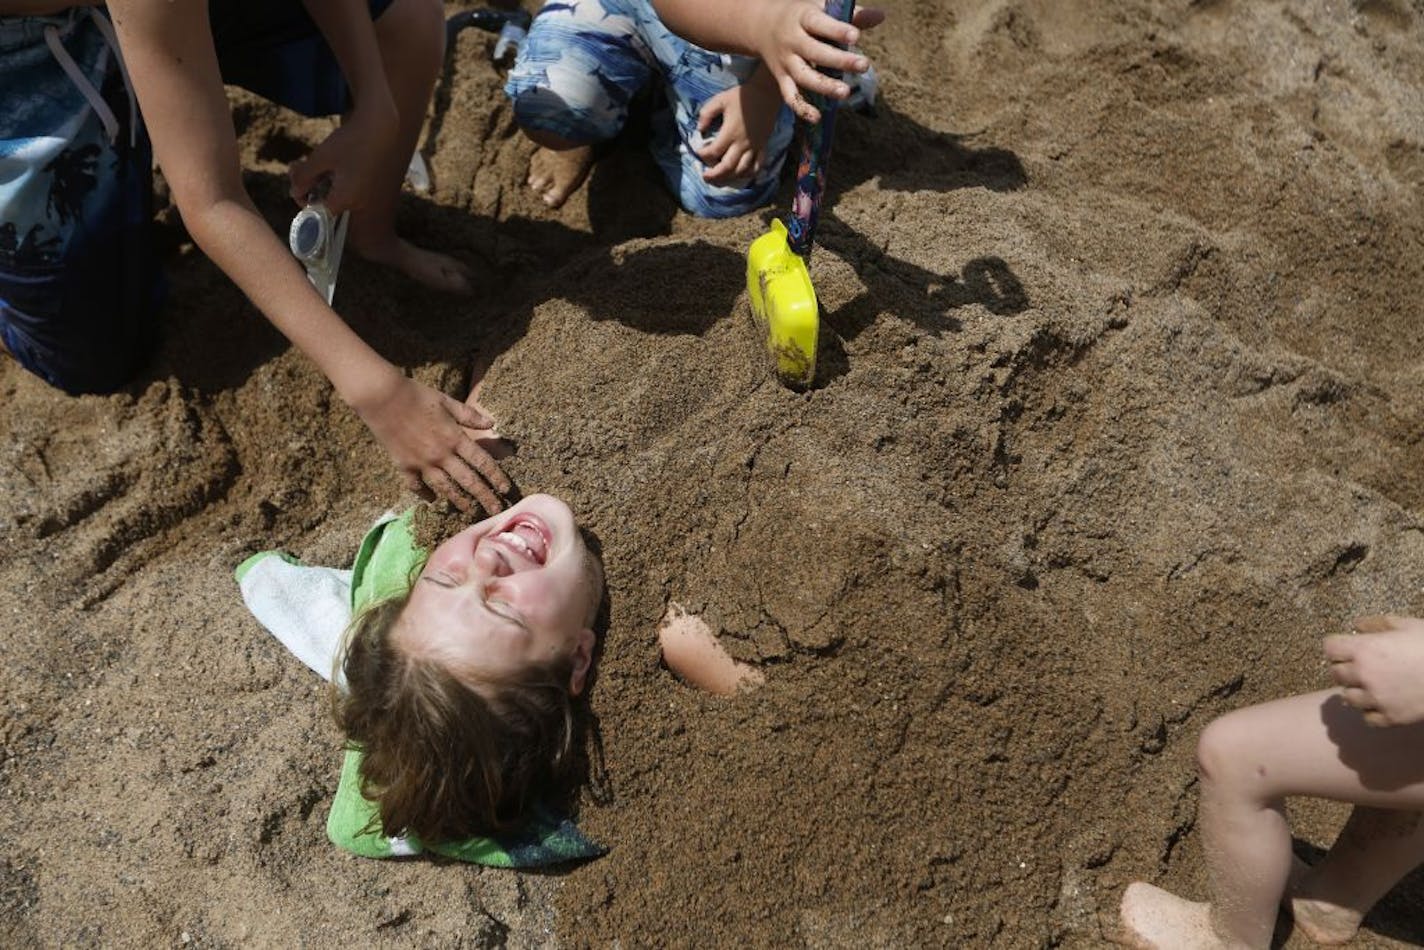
x: 1120, y: 410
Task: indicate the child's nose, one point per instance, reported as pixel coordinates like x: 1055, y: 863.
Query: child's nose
x: 490, y: 563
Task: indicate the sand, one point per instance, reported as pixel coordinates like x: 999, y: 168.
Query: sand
x: 1120, y: 410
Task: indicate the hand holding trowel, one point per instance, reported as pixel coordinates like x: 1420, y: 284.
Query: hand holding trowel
x: 783, y: 298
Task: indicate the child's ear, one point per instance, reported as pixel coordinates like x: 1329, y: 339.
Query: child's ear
x: 583, y: 659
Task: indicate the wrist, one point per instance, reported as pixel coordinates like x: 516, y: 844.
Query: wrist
x: 368, y: 385
x: 762, y: 19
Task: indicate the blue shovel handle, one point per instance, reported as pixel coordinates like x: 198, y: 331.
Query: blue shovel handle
x: 815, y: 156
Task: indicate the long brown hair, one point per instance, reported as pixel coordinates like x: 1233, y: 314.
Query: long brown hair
x: 450, y: 754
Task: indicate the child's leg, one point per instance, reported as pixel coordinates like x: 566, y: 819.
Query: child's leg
x: 411, y: 36
x: 1374, y: 850
x: 576, y: 73
x: 694, y: 76
x: 274, y: 49
x: 1250, y: 761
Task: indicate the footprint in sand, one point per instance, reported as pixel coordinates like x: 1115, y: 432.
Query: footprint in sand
x: 100, y: 488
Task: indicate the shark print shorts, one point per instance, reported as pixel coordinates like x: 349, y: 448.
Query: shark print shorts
x: 585, y: 61
x: 79, y: 286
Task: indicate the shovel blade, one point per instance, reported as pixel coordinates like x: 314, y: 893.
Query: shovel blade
x: 784, y: 304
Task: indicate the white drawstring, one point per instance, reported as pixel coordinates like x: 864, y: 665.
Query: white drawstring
x: 71, y: 68
x: 107, y: 29
x: 86, y: 88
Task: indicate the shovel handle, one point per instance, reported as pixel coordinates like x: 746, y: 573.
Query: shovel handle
x: 815, y: 156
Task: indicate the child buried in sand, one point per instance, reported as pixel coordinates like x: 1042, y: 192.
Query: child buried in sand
x: 1363, y: 744
x: 455, y: 684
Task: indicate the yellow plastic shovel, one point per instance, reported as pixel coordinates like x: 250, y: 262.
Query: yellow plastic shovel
x: 783, y: 297
x: 784, y: 303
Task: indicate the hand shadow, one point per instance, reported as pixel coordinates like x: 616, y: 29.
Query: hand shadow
x: 912, y: 292
x: 1373, y: 753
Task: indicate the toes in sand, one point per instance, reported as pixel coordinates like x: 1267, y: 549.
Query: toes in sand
x: 554, y: 175
x: 691, y: 650
x: 431, y: 268
x: 1154, y: 919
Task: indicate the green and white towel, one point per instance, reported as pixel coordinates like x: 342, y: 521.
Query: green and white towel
x: 307, y: 609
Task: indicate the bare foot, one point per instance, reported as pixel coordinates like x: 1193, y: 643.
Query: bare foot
x: 434, y: 270
x: 555, y: 175
x: 1154, y: 919
x: 1325, y: 923
x: 692, y: 652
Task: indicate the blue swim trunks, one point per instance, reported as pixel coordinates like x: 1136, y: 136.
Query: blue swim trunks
x: 583, y: 63
x: 79, y: 282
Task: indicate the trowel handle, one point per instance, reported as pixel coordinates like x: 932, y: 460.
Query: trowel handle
x: 815, y: 156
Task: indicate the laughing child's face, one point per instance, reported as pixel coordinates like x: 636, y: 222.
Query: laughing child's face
x: 515, y: 590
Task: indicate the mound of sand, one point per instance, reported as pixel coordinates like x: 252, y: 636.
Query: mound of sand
x: 1120, y: 410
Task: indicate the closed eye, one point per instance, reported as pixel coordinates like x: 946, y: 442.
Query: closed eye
x: 505, y: 612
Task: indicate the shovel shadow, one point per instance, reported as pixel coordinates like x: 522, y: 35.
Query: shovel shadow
x: 924, y: 297
x: 925, y: 160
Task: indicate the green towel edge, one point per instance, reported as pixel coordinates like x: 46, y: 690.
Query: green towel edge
x: 249, y: 563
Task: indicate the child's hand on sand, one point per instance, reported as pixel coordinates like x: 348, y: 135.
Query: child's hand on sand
x: 748, y: 114
x: 432, y: 439
x: 487, y: 435
x: 1381, y: 668
x: 797, y: 36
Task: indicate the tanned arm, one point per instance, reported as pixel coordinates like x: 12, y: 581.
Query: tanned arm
x: 169, y: 51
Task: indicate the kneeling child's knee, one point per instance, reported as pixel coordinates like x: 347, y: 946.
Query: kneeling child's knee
x: 1222, y: 749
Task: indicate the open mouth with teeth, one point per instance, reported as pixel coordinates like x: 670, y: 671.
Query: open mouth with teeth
x: 527, y: 537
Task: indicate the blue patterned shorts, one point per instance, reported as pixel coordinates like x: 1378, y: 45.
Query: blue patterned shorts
x: 585, y: 60
x: 79, y: 286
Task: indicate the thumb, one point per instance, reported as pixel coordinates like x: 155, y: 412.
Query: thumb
x: 1340, y: 647
x: 867, y: 18
x: 303, y: 175
x: 337, y: 198
x: 468, y: 416
x: 305, y: 171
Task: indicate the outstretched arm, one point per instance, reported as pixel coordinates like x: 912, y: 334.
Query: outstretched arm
x: 174, y: 68
x: 792, y: 37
